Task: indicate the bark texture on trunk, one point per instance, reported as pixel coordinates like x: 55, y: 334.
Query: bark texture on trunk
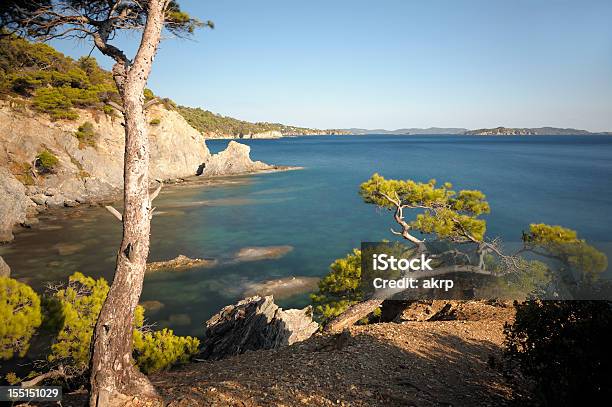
x: 115, y: 381
x: 352, y: 315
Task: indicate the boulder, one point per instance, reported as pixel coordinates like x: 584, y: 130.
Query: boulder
x: 13, y: 204
x: 235, y: 159
x: 255, y: 323
x: 5, y: 270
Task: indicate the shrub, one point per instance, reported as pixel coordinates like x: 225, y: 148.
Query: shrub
x: 339, y: 289
x: 19, y: 315
x: 55, y: 102
x: 46, y: 161
x: 148, y: 94
x: 155, y: 122
x: 564, y: 347
x: 75, y: 310
x: 157, y: 350
x: 86, y: 135
x: 108, y: 110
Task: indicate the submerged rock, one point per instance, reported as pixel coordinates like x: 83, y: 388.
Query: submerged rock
x: 5, y: 270
x: 179, y: 319
x: 66, y: 249
x: 252, y: 324
x: 152, y: 305
x: 180, y: 263
x: 261, y: 253
x: 282, y: 287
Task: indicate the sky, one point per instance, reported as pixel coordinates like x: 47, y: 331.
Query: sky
x: 392, y: 63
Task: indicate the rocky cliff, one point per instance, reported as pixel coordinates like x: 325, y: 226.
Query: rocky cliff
x: 82, y: 160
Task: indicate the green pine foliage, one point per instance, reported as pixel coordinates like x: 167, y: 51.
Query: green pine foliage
x: 55, y: 83
x: 74, y: 310
x: 445, y: 213
x: 339, y: 289
x: 20, y: 316
x: 86, y: 135
x: 78, y: 306
x: 585, y: 263
x: 209, y: 122
x: 155, y: 351
x: 46, y: 161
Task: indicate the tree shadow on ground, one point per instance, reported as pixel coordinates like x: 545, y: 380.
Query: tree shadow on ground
x: 419, y: 364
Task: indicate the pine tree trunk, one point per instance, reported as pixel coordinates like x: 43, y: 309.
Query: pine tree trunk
x: 114, y: 378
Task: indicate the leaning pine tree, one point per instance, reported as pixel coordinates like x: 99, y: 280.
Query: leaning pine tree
x: 114, y: 379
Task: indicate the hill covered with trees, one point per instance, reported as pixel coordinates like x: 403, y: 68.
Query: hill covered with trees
x: 215, y: 125
x: 52, y: 83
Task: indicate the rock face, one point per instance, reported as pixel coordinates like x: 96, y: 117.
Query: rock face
x: 93, y: 171
x: 5, y: 270
x: 252, y: 324
x: 235, y: 159
x: 13, y: 204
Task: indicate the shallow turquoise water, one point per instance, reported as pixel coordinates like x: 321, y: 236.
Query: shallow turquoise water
x: 558, y: 180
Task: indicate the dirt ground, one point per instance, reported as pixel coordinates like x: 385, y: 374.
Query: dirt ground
x: 442, y: 363
x: 413, y: 362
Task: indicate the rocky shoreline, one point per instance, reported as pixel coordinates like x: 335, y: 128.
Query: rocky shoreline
x: 92, y: 173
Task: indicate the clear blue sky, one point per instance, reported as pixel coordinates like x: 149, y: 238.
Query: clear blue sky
x: 393, y: 63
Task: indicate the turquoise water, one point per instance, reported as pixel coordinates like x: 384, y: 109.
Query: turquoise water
x: 559, y: 180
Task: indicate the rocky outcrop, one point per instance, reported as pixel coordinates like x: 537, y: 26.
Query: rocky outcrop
x: 234, y: 160
x: 14, y: 204
x: 252, y: 324
x: 5, y: 270
x: 91, y: 169
x: 180, y: 263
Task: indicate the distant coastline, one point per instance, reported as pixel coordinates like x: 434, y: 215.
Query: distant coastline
x: 496, y: 131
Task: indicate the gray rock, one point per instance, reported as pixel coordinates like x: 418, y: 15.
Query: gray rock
x: 5, y: 270
x: 13, y: 204
x: 39, y: 199
x: 235, y: 159
x: 253, y: 324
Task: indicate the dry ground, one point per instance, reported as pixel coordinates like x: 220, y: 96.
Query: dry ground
x: 443, y: 363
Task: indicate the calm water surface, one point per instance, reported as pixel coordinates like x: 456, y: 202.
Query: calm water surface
x: 558, y: 180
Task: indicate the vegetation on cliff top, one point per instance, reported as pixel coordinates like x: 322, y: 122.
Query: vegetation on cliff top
x: 209, y: 122
x: 54, y: 83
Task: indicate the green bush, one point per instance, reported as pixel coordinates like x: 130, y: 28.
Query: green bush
x: 46, y: 161
x: 55, y: 102
x: 20, y: 316
x: 564, y: 347
x: 148, y: 94
x: 56, y: 82
x: 86, y: 135
x: 77, y: 307
x: 76, y: 310
x: 155, y: 351
x: 339, y: 289
x: 155, y: 122
x: 108, y: 110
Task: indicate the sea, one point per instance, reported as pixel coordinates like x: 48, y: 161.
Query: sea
x: 317, y: 210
